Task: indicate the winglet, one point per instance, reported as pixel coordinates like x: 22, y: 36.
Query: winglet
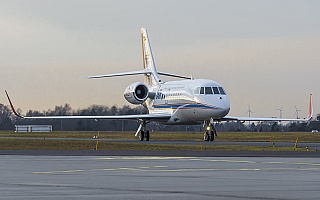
x: 12, y: 108
x: 310, y: 111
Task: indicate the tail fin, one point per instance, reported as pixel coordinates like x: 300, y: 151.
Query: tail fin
x: 148, y: 61
x: 310, y: 111
x: 151, y: 75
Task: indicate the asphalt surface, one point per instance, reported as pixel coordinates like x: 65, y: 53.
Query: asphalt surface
x: 125, y: 174
x: 158, y: 177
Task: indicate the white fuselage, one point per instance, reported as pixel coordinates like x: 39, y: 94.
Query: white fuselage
x: 189, y: 101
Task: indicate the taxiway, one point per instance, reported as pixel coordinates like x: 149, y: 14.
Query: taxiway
x: 158, y: 177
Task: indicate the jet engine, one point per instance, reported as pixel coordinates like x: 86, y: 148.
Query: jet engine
x: 136, y: 93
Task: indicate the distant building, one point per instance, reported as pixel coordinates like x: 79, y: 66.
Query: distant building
x: 33, y: 128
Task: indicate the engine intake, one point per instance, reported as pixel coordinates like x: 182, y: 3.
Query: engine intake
x: 136, y: 93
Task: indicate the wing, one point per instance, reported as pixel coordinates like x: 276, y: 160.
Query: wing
x: 152, y: 117
x: 231, y: 118
x: 308, y: 118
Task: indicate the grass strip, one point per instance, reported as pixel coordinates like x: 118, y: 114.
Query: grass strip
x: 26, y: 144
x: 195, y: 136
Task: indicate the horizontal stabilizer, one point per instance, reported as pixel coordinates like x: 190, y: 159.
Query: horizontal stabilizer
x: 145, y: 71
x: 122, y: 74
x: 173, y: 75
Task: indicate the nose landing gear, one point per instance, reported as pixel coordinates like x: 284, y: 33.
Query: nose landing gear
x: 210, y: 132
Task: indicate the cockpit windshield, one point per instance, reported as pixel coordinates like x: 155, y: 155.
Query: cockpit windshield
x: 221, y: 90
x: 209, y: 91
x: 215, y: 90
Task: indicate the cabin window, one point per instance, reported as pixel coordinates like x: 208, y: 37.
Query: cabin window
x: 202, y: 90
x: 208, y: 90
x: 222, y: 90
x: 215, y: 90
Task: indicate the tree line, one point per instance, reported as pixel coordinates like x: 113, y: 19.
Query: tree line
x: 8, y: 121
x: 76, y: 124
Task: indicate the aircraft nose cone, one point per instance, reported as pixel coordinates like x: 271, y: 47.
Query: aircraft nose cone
x: 226, y: 110
x: 225, y: 106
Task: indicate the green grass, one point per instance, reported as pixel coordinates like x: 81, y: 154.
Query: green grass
x: 265, y: 136
x: 29, y: 144
x: 13, y: 141
x: 196, y: 136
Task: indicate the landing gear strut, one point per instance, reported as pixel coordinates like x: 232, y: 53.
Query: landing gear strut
x: 143, y: 132
x: 210, y: 132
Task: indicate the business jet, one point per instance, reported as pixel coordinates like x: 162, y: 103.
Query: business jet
x: 183, y: 102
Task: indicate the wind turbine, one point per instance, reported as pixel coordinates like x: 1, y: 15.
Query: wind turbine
x: 249, y: 111
x: 297, y: 112
x: 280, y: 110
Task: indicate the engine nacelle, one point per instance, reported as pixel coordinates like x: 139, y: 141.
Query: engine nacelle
x: 136, y: 93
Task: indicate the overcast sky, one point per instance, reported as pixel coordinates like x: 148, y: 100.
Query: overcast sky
x: 264, y: 53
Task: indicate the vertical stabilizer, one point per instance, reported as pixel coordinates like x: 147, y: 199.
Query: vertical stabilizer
x: 148, y: 61
x: 310, y: 111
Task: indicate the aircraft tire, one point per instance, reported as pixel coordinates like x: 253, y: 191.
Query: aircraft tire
x: 211, y: 136
x: 141, y: 135
x: 206, y: 136
x: 147, y: 135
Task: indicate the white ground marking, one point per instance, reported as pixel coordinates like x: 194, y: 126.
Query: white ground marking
x: 199, y: 169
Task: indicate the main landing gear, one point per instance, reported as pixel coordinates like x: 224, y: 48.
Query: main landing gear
x: 210, y: 132
x: 144, y: 135
x: 143, y: 132
x: 208, y: 135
